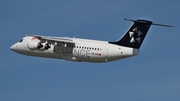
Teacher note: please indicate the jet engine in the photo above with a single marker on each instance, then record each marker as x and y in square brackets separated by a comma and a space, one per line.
[34, 45]
[45, 46]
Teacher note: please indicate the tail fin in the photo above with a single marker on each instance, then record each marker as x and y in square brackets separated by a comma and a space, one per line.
[135, 35]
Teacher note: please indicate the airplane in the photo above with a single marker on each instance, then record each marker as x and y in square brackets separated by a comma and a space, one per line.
[86, 50]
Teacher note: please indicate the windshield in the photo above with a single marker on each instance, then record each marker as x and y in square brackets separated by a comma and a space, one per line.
[21, 40]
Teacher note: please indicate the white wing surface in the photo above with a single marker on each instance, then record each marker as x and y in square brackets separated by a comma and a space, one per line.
[54, 39]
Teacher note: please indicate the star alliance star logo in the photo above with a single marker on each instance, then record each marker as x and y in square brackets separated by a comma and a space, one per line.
[134, 38]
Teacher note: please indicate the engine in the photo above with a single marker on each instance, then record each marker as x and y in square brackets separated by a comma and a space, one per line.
[47, 46]
[34, 45]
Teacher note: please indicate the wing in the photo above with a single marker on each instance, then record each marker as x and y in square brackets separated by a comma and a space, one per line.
[52, 39]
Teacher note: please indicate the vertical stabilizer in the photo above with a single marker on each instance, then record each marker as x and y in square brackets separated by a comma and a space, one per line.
[135, 35]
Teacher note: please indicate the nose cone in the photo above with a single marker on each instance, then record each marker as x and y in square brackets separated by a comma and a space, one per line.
[13, 47]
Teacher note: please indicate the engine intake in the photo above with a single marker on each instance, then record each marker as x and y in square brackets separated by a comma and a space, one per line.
[33, 45]
[39, 45]
[47, 46]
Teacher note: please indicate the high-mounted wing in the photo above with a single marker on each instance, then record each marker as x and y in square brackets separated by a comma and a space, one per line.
[54, 39]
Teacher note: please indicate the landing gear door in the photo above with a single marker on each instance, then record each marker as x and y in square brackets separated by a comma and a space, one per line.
[105, 50]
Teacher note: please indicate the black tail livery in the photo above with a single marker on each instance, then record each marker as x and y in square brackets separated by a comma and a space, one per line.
[135, 35]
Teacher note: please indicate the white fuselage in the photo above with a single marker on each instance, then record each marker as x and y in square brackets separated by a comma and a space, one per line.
[84, 50]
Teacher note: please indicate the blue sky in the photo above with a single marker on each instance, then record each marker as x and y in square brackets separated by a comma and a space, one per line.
[153, 75]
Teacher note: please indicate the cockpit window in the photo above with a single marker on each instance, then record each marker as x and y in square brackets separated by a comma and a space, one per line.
[21, 40]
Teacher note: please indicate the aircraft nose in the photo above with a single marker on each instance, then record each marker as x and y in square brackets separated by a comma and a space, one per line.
[13, 47]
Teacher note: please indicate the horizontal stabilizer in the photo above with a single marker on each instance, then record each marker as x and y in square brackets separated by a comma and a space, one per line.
[146, 21]
[161, 25]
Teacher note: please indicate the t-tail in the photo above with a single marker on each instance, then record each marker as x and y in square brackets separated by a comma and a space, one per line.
[137, 32]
